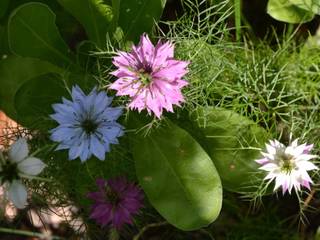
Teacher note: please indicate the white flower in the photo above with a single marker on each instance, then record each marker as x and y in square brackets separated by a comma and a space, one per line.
[288, 165]
[15, 166]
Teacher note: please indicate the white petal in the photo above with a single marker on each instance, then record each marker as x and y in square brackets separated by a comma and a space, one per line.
[306, 157]
[17, 193]
[31, 166]
[18, 150]
[295, 151]
[267, 155]
[269, 167]
[305, 176]
[306, 165]
[280, 180]
[270, 149]
[271, 176]
[262, 161]
[295, 143]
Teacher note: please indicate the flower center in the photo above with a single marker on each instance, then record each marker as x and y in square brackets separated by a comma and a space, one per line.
[89, 126]
[145, 75]
[9, 172]
[286, 162]
[112, 197]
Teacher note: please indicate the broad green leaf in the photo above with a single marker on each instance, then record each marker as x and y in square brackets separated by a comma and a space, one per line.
[4, 4]
[32, 33]
[34, 99]
[139, 16]
[232, 141]
[94, 15]
[308, 5]
[286, 11]
[178, 177]
[14, 71]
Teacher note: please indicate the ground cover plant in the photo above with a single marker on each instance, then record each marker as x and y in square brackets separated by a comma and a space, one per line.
[132, 127]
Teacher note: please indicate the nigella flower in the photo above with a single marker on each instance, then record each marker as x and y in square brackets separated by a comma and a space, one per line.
[87, 124]
[116, 201]
[288, 165]
[150, 76]
[14, 166]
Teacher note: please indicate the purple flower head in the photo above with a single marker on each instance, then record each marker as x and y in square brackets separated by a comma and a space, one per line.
[115, 202]
[150, 76]
[87, 124]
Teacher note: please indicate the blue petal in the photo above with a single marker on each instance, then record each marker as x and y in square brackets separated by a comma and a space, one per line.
[64, 119]
[62, 147]
[77, 93]
[85, 151]
[97, 148]
[110, 132]
[112, 114]
[62, 108]
[62, 133]
[74, 152]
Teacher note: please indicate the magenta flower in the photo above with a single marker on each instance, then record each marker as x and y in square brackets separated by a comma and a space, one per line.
[150, 76]
[115, 202]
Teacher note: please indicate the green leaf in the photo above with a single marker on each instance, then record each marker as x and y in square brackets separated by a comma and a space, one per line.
[14, 71]
[4, 4]
[138, 16]
[34, 98]
[232, 141]
[32, 33]
[287, 11]
[94, 15]
[308, 5]
[178, 177]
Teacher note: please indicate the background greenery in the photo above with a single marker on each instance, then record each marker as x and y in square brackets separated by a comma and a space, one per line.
[265, 82]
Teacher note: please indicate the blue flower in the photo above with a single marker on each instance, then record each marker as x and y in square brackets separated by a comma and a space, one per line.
[87, 124]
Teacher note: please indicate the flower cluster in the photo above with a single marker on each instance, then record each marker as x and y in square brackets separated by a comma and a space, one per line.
[148, 74]
[288, 166]
[88, 125]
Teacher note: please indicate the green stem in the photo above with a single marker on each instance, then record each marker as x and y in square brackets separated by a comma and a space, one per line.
[28, 233]
[237, 13]
[114, 235]
[145, 228]
[34, 177]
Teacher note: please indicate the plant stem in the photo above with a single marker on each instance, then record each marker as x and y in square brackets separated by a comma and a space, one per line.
[237, 13]
[114, 235]
[29, 234]
[145, 228]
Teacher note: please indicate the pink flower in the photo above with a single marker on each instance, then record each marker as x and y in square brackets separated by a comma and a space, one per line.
[115, 202]
[150, 76]
[288, 165]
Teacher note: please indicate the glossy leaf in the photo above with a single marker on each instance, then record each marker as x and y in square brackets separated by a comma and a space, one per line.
[32, 33]
[14, 71]
[34, 98]
[308, 5]
[138, 16]
[94, 15]
[232, 141]
[287, 11]
[178, 177]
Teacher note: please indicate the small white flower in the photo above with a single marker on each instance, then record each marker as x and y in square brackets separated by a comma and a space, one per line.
[288, 165]
[16, 166]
